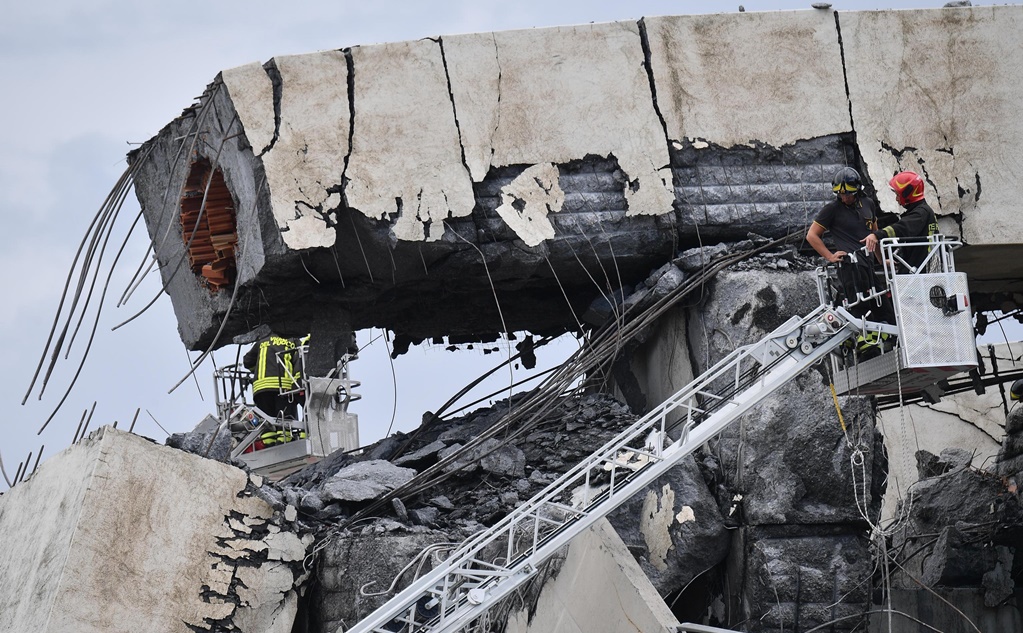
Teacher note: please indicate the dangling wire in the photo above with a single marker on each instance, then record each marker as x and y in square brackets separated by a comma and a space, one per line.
[193, 132]
[113, 195]
[92, 334]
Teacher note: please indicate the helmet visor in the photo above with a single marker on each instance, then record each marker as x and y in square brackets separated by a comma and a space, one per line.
[845, 187]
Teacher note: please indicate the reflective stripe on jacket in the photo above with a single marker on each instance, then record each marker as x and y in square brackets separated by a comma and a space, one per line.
[271, 373]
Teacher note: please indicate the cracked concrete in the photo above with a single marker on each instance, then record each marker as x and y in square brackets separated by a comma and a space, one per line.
[306, 160]
[707, 87]
[405, 146]
[945, 84]
[387, 166]
[558, 95]
[527, 201]
[97, 515]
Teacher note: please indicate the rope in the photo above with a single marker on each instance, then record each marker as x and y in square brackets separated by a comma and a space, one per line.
[838, 410]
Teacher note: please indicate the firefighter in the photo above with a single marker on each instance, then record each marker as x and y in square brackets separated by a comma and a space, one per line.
[273, 363]
[916, 223]
[847, 219]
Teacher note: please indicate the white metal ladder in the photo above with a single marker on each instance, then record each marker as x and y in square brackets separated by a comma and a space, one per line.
[495, 562]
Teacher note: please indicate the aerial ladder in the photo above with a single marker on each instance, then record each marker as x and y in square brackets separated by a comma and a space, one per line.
[492, 564]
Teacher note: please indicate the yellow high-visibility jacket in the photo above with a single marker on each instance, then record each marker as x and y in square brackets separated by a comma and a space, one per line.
[272, 368]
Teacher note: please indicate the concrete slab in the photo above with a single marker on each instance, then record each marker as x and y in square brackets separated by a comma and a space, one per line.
[305, 164]
[600, 587]
[937, 92]
[252, 95]
[732, 79]
[117, 531]
[406, 162]
[556, 95]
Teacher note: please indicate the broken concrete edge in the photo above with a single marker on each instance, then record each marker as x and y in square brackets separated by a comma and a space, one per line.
[110, 546]
[837, 119]
[273, 105]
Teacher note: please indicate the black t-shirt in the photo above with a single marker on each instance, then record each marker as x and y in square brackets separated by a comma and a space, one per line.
[847, 225]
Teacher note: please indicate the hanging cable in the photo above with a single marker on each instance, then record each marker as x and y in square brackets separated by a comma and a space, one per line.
[532, 408]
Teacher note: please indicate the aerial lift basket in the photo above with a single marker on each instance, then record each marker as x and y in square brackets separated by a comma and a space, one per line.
[934, 325]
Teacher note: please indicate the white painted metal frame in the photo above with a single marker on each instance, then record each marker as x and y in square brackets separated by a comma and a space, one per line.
[492, 564]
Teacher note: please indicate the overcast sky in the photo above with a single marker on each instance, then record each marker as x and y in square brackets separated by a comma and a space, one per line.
[85, 82]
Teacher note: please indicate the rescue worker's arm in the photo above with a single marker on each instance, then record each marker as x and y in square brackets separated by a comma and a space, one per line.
[913, 223]
[875, 251]
[251, 357]
[814, 239]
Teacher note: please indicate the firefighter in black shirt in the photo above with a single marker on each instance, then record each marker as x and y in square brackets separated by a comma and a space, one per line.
[847, 220]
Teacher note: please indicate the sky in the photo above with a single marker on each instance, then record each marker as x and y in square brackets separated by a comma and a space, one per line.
[85, 83]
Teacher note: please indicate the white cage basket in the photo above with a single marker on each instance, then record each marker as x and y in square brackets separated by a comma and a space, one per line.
[931, 335]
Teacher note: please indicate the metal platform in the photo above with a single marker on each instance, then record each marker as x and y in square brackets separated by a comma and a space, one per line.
[277, 462]
[882, 375]
[325, 424]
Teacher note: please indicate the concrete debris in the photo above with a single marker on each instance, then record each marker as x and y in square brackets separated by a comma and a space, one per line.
[224, 563]
[364, 480]
[998, 583]
[506, 461]
[977, 518]
[1010, 457]
[672, 551]
[426, 456]
[951, 459]
[783, 476]
[203, 442]
[337, 224]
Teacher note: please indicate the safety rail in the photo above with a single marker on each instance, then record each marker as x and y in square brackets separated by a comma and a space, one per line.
[938, 259]
[494, 563]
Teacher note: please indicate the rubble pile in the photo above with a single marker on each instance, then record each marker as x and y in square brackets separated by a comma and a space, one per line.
[478, 489]
[482, 487]
[769, 523]
[960, 524]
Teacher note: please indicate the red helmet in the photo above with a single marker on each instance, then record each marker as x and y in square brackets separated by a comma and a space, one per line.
[908, 187]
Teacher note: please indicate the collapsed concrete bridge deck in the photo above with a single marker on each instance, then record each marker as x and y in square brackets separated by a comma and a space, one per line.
[452, 186]
[470, 185]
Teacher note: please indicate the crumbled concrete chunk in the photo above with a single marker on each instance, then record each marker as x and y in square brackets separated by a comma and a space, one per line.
[506, 460]
[265, 584]
[442, 502]
[422, 456]
[286, 546]
[239, 526]
[365, 480]
[424, 516]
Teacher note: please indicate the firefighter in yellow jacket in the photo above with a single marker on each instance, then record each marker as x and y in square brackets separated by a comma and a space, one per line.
[274, 364]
